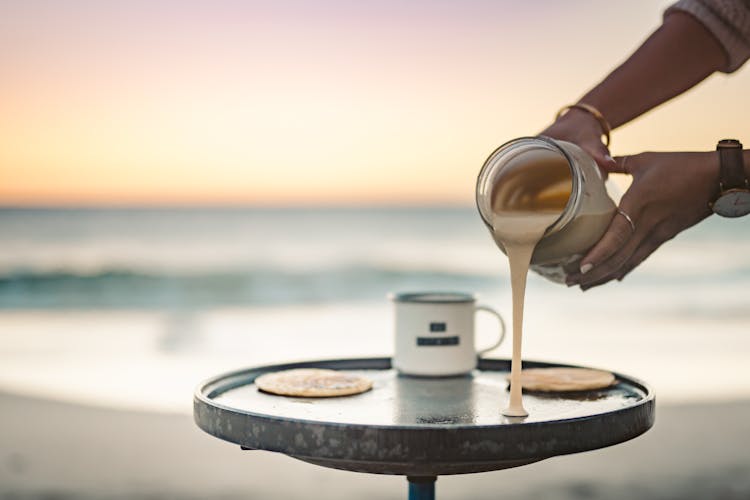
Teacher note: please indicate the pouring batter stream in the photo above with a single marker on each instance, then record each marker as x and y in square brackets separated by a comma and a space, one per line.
[519, 220]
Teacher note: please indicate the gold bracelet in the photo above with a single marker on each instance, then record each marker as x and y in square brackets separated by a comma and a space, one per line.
[606, 129]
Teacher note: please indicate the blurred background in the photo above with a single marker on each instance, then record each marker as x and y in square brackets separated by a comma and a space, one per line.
[193, 187]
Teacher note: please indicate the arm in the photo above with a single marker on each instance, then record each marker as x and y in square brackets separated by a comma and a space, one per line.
[670, 191]
[677, 56]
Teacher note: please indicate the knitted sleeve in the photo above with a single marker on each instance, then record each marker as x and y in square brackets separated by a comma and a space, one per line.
[727, 20]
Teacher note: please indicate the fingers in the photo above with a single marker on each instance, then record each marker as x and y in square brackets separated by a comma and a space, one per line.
[609, 269]
[615, 248]
[601, 156]
[618, 234]
[645, 240]
[654, 240]
[646, 248]
[621, 263]
[623, 164]
[642, 252]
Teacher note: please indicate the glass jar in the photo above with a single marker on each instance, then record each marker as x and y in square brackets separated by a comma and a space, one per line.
[587, 213]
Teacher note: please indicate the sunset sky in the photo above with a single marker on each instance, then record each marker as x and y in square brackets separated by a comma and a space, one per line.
[322, 102]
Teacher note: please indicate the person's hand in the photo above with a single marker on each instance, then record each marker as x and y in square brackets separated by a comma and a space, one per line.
[670, 192]
[581, 128]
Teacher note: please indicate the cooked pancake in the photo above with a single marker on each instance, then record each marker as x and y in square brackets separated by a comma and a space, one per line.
[565, 379]
[312, 383]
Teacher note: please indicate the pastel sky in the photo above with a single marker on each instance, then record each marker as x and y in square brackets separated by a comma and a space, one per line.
[327, 101]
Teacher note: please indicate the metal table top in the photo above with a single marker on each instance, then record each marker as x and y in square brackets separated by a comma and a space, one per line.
[421, 426]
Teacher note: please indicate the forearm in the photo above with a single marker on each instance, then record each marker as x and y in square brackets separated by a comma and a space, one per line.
[677, 56]
[710, 169]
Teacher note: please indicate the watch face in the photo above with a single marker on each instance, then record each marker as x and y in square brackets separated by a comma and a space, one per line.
[733, 203]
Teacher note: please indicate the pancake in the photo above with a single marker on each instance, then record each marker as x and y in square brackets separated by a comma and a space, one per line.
[565, 379]
[312, 383]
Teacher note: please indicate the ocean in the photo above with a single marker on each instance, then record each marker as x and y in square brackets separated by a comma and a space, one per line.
[132, 307]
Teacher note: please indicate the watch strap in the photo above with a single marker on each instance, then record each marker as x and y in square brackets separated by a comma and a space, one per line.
[732, 166]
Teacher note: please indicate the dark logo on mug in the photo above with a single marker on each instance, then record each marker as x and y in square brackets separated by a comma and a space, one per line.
[437, 341]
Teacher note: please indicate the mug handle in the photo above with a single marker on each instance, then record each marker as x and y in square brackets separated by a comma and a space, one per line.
[502, 327]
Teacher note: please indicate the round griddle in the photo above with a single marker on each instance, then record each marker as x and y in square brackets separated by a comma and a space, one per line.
[421, 427]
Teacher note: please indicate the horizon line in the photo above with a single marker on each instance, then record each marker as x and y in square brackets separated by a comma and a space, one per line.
[234, 206]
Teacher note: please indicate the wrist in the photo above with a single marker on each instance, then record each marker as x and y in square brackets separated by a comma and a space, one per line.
[701, 171]
[713, 164]
[716, 167]
[580, 117]
[594, 113]
[582, 122]
[712, 169]
[733, 196]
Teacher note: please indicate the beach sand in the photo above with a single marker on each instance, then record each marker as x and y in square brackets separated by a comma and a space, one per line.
[56, 450]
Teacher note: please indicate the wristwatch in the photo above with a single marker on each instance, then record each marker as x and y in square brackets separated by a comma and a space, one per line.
[734, 188]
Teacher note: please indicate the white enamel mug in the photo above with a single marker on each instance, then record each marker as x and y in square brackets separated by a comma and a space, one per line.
[434, 333]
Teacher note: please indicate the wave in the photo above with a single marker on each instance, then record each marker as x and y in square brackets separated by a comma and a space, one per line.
[201, 258]
[121, 288]
[243, 285]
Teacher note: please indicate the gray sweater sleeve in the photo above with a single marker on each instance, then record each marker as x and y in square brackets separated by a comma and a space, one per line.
[727, 20]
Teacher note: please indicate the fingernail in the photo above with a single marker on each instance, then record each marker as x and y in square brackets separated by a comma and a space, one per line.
[609, 159]
[586, 267]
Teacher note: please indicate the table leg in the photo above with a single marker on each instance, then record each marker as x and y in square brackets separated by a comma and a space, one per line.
[421, 487]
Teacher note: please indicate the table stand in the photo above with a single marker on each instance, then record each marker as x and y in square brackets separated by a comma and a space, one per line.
[421, 487]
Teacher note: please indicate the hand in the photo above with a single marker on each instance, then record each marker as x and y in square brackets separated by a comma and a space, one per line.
[580, 128]
[670, 192]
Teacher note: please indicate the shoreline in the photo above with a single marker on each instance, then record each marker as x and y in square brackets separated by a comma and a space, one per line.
[51, 449]
[154, 360]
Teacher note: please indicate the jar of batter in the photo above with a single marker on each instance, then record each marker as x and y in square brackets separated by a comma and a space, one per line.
[540, 173]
